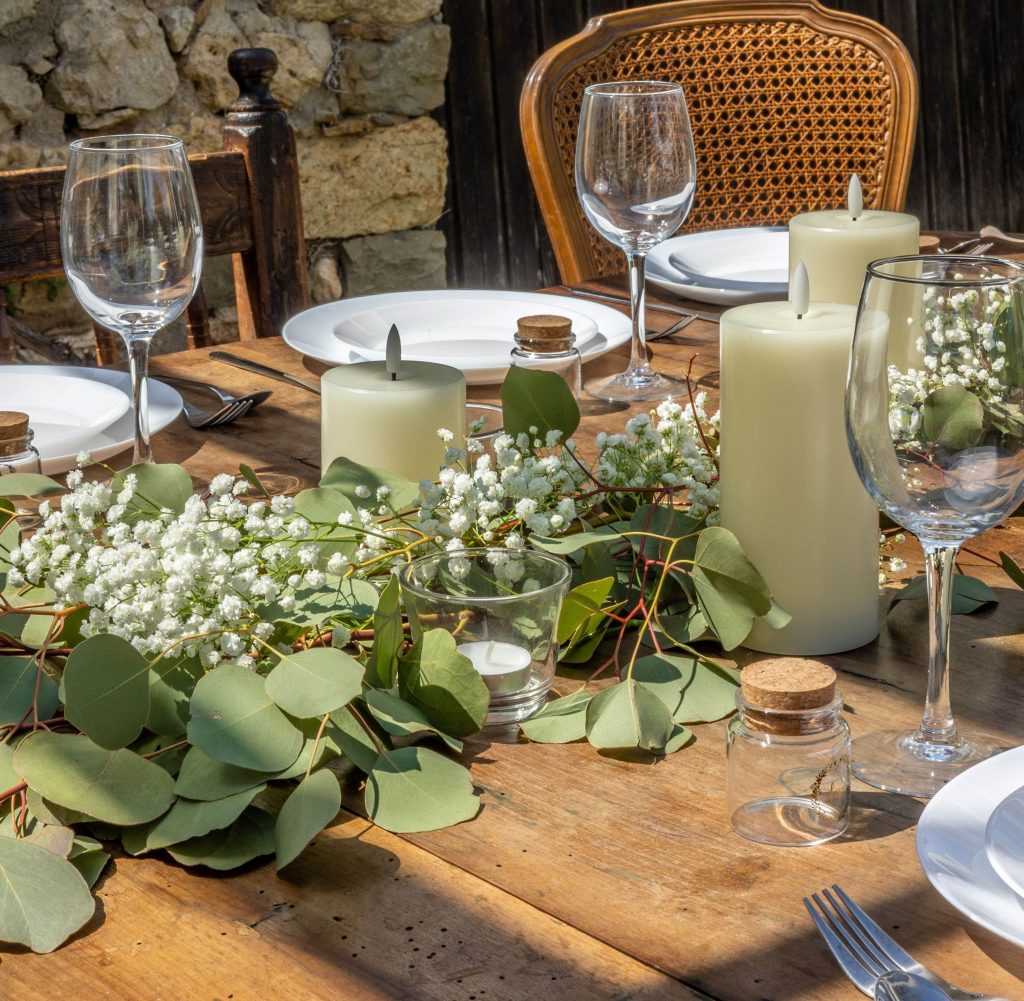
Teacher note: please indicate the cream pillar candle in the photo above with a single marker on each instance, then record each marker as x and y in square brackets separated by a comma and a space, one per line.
[837, 246]
[789, 491]
[387, 414]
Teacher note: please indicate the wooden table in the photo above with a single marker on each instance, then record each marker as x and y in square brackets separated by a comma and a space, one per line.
[584, 877]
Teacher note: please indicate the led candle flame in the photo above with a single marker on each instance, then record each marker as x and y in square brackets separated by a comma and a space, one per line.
[393, 353]
[799, 290]
[855, 198]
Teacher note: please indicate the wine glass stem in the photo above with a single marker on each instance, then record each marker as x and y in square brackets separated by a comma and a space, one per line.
[138, 359]
[638, 361]
[937, 725]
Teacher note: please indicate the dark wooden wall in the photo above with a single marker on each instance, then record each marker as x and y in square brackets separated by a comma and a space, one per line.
[967, 169]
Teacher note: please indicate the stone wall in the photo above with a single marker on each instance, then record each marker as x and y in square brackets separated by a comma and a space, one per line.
[359, 78]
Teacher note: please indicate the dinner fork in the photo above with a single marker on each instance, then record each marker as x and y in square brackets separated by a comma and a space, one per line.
[232, 407]
[865, 951]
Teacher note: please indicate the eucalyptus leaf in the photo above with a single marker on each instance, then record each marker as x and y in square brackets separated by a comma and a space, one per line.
[953, 417]
[18, 679]
[567, 545]
[560, 721]
[401, 719]
[54, 838]
[189, 818]
[1013, 571]
[106, 690]
[43, 897]
[653, 520]
[348, 476]
[967, 594]
[684, 629]
[10, 536]
[325, 749]
[28, 485]
[322, 506]
[388, 637]
[36, 630]
[250, 476]
[693, 690]
[172, 680]
[8, 776]
[444, 684]
[681, 736]
[532, 398]
[628, 715]
[314, 682]
[115, 786]
[234, 720]
[249, 837]
[581, 610]
[307, 811]
[158, 486]
[90, 864]
[580, 652]
[205, 778]
[416, 789]
[345, 732]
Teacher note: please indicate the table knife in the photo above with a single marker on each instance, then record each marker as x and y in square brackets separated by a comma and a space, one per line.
[271, 373]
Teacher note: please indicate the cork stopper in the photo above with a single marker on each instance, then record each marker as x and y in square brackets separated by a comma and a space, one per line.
[544, 332]
[790, 683]
[13, 432]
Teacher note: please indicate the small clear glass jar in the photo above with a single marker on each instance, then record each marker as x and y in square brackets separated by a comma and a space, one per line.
[548, 343]
[16, 448]
[788, 773]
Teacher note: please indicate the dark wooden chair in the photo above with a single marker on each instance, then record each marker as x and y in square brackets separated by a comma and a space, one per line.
[787, 99]
[248, 198]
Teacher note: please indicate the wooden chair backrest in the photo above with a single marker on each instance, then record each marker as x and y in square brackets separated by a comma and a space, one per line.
[248, 199]
[786, 101]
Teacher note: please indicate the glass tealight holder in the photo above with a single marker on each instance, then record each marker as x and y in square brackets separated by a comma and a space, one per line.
[502, 609]
[788, 775]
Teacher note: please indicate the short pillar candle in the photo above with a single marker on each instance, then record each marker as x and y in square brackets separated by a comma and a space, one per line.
[789, 490]
[837, 246]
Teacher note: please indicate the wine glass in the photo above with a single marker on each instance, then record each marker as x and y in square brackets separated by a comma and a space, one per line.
[132, 244]
[935, 422]
[635, 175]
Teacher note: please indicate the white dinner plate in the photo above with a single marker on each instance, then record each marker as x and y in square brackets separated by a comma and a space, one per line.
[724, 266]
[164, 406]
[1004, 840]
[951, 844]
[469, 330]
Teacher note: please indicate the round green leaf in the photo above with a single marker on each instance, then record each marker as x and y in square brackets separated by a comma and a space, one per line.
[416, 789]
[538, 399]
[192, 819]
[347, 476]
[559, 721]
[307, 811]
[116, 786]
[234, 720]
[106, 690]
[171, 684]
[628, 715]
[249, 837]
[43, 897]
[18, 688]
[401, 719]
[314, 682]
[28, 485]
[321, 506]
[158, 486]
[206, 778]
[345, 733]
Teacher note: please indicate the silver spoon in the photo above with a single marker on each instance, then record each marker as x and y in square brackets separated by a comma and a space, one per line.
[998, 234]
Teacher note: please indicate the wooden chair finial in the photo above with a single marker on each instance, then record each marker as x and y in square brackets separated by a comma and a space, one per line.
[252, 70]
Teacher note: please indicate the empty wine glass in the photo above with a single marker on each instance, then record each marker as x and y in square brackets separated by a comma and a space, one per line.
[635, 176]
[132, 244]
[935, 422]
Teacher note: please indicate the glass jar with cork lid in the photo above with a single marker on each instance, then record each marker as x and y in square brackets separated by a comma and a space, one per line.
[547, 343]
[16, 442]
[788, 750]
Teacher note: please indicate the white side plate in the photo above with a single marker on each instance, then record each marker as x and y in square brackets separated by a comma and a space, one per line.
[1004, 840]
[951, 844]
[469, 330]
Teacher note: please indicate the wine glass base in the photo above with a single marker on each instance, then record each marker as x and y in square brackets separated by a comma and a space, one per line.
[898, 761]
[627, 388]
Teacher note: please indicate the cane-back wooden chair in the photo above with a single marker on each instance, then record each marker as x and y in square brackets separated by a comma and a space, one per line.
[786, 100]
[249, 203]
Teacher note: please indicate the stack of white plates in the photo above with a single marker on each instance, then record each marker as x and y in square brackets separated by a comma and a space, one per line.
[970, 841]
[726, 266]
[74, 409]
[469, 330]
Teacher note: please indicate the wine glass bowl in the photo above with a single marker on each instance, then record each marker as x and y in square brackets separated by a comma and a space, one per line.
[935, 422]
[132, 243]
[635, 177]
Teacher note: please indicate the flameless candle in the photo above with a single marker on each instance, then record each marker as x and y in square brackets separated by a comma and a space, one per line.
[789, 491]
[504, 667]
[387, 414]
[837, 246]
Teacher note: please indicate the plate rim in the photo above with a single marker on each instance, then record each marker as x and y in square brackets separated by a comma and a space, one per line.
[1015, 884]
[997, 762]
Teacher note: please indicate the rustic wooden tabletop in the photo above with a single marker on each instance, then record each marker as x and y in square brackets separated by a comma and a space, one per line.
[584, 877]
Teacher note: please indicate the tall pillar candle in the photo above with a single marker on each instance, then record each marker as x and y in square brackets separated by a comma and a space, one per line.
[838, 245]
[789, 491]
[387, 413]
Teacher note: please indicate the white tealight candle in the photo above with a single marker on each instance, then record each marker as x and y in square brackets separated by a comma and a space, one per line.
[837, 246]
[789, 490]
[505, 667]
[387, 414]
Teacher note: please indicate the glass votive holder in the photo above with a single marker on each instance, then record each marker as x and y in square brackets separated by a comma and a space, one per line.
[502, 608]
[788, 769]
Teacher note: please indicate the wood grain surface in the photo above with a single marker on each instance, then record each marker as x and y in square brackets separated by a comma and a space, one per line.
[584, 876]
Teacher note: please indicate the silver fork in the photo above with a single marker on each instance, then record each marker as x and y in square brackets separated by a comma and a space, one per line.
[232, 407]
[865, 951]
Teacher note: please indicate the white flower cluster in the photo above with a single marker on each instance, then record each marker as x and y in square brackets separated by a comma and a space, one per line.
[191, 582]
[959, 346]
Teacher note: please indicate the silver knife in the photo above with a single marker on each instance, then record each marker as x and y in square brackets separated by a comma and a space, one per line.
[271, 373]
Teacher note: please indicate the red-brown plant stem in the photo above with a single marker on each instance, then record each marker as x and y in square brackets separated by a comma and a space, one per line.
[13, 791]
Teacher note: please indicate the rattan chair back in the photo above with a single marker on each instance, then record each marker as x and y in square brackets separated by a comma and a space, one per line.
[786, 101]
